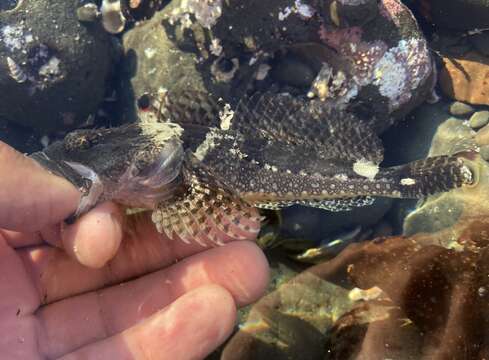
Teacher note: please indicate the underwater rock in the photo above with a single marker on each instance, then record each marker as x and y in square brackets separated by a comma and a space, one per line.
[293, 321]
[461, 109]
[21, 139]
[484, 151]
[479, 119]
[456, 14]
[480, 42]
[465, 79]
[372, 59]
[440, 293]
[391, 298]
[54, 68]
[482, 137]
[152, 65]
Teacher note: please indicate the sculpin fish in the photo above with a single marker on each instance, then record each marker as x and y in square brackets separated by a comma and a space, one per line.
[204, 169]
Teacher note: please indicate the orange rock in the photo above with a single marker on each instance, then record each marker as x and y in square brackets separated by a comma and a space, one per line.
[466, 79]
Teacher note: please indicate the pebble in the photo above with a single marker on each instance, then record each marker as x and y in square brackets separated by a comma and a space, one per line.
[484, 151]
[479, 119]
[482, 136]
[461, 109]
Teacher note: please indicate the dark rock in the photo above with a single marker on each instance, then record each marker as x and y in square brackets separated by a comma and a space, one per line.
[292, 71]
[458, 14]
[8, 4]
[479, 119]
[54, 69]
[22, 139]
[481, 42]
[461, 109]
[482, 137]
[384, 85]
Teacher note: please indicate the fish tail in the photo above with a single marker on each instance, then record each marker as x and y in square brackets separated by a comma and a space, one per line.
[427, 176]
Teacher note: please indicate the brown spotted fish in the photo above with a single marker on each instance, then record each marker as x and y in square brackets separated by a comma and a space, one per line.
[204, 169]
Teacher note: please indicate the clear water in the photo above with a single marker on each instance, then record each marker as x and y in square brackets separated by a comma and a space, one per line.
[402, 277]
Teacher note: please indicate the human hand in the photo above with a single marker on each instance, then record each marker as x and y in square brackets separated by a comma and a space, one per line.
[60, 285]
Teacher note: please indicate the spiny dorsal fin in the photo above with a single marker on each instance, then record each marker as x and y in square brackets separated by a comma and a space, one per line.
[281, 118]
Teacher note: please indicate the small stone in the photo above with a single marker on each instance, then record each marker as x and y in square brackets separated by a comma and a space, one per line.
[484, 151]
[87, 13]
[461, 109]
[479, 119]
[482, 136]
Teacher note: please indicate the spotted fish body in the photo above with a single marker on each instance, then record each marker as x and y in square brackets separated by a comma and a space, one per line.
[204, 169]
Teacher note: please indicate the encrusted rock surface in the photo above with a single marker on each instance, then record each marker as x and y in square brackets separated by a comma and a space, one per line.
[365, 57]
[54, 69]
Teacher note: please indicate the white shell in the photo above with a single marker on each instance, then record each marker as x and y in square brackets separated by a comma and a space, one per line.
[15, 71]
[112, 19]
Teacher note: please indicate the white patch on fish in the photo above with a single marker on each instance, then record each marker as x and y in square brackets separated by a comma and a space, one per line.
[366, 168]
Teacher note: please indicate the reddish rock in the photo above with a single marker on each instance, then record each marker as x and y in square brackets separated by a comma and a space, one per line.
[466, 79]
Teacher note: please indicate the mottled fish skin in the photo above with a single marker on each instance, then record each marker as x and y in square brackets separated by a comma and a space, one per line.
[205, 167]
[277, 150]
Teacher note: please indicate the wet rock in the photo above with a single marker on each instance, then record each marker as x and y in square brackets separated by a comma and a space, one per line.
[352, 13]
[484, 151]
[380, 66]
[391, 298]
[22, 139]
[465, 79]
[293, 321]
[461, 109]
[480, 42]
[8, 5]
[479, 119]
[293, 71]
[457, 14]
[436, 289]
[482, 137]
[153, 62]
[53, 68]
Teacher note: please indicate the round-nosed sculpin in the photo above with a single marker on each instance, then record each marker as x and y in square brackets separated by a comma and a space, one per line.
[204, 169]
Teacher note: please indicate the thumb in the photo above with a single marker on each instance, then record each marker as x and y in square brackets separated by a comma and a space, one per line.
[31, 197]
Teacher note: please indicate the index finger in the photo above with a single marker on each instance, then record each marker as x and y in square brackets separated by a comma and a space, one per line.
[31, 197]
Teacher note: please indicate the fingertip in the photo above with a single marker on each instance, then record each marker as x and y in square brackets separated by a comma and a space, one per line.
[251, 273]
[95, 237]
[30, 196]
[212, 320]
[191, 327]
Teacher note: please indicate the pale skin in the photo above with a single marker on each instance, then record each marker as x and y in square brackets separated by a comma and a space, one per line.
[107, 287]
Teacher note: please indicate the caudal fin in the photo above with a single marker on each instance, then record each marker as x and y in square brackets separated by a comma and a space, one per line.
[427, 176]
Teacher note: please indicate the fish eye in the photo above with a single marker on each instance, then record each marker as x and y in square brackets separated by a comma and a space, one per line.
[144, 101]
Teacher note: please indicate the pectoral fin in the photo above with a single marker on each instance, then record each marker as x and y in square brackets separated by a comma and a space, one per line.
[207, 212]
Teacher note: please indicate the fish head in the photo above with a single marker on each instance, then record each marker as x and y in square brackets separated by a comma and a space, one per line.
[136, 164]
